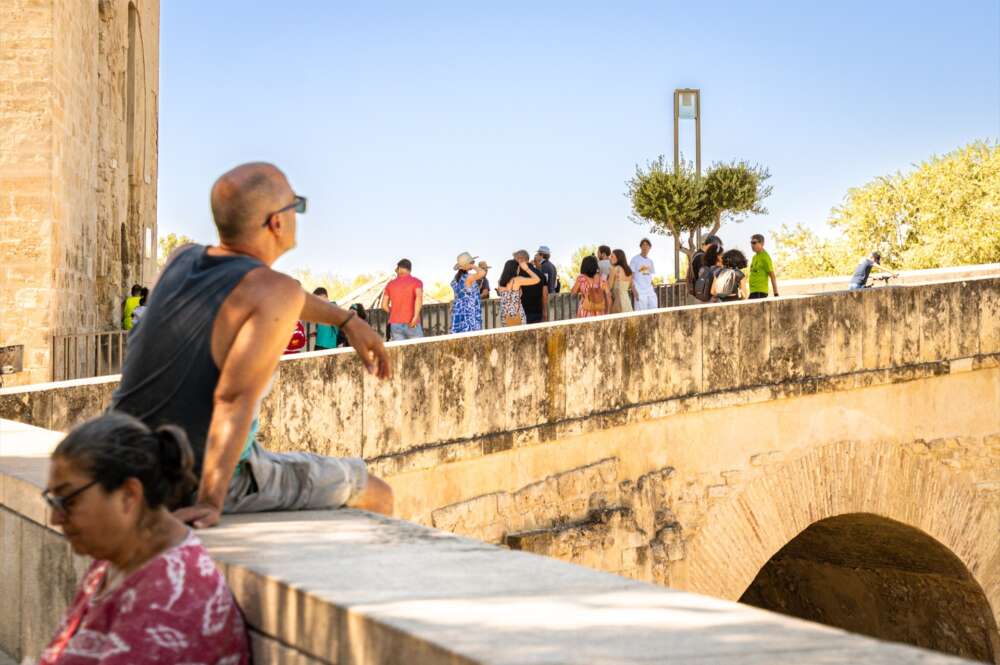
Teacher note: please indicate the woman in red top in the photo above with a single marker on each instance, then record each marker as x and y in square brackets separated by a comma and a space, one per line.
[153, 594]
[592, 288]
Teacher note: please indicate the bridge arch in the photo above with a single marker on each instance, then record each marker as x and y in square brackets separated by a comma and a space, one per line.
[844, 516]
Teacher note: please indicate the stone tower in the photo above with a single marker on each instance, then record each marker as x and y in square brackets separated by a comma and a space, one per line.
[78, 153]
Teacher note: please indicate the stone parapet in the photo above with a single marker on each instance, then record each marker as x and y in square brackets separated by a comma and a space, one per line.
[348, 587]
[464, 396]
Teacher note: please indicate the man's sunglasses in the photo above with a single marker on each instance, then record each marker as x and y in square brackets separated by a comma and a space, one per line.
[62, 504]
[299, 203]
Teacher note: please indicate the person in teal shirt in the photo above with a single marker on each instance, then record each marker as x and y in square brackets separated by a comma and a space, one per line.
[326, 336]
[761, 269]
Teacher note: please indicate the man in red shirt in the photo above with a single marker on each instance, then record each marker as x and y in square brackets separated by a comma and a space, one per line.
[403, 299]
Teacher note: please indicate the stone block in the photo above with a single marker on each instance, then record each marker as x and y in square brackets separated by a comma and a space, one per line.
[10, 583]
[269, 651]
[784, 339]
[965, 307]
[721, 360]
[989, 315]
[878, 328]
[319, 407]
[47, 586]
[817, 323]
[595, 359]
[935, 322]
[662, 355]
[526, 362]
[443, 390]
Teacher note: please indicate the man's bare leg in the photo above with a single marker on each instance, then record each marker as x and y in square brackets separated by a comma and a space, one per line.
[376, 497]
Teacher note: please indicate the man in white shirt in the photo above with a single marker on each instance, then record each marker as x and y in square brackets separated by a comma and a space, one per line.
[642, 277]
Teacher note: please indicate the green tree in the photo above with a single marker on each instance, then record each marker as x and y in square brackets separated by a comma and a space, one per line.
[945, 212]
[167, 244]
[676, 202]
[569, 272]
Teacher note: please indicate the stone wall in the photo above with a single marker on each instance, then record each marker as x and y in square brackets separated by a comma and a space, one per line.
[67, 193]
[689, 465]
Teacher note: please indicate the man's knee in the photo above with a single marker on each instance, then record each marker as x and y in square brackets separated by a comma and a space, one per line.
[376, 497]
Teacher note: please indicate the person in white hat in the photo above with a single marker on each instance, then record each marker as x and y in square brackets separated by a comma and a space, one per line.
[467, 308]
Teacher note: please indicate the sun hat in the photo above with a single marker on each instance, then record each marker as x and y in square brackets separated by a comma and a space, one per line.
[464, 259]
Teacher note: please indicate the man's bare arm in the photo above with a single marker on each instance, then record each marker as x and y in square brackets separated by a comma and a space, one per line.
[418, 304]
[246, 371]
[774, 282]
[362, 336]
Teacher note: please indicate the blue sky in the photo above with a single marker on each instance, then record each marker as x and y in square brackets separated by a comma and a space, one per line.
[425, 129]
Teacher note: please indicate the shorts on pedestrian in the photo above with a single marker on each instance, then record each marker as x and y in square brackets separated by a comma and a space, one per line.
[646, 301]
[400, 331]
[757, 294]
[268, 481]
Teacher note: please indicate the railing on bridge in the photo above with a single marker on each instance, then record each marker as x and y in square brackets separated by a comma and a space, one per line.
[86, 355]
[436, 318]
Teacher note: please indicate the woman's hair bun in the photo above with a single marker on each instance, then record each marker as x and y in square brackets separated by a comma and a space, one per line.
[176, 464]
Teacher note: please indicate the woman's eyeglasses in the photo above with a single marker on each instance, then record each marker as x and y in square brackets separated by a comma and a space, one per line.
[62, 504]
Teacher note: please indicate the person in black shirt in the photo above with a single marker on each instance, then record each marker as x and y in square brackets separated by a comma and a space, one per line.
[543, 255]
[698, 260]
[535, 297]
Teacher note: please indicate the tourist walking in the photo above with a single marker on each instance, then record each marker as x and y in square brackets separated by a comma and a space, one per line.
[761, 269]
[211, 340]
[325, 336]
[403, 299]
[642, 277]
[516, 275]
[535, 297]
[697, 260]
[152, 594]
[549, 268]
[730, 282]
[620, 283]
[604, 261]
[860, 277]
[592, 289]
[467, 307]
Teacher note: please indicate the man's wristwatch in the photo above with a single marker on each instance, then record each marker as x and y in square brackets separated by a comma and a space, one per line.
[350, 315]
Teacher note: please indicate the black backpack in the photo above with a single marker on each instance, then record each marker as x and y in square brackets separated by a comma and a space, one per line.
[693, 265]
[703, 285]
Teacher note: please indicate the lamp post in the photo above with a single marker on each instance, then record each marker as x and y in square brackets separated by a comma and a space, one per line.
[687, 106]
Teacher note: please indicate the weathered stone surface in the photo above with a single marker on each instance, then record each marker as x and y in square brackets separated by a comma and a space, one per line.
[48, 583]
[10, 583]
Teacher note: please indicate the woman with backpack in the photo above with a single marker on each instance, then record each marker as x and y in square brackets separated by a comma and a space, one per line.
[592, 288]
[711, 264]
[516, 274]
[730, 281]
[620, 283]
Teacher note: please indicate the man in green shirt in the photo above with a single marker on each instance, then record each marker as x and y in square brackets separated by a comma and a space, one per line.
[761, 269]
[129, 306]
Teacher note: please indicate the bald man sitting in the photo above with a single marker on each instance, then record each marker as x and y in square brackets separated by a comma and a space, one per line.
[215, 326]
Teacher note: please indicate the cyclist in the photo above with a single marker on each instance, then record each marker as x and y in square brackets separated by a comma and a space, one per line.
[869, 263]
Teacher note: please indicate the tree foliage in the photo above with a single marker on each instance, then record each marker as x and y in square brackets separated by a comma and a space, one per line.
[167, 244]
[676, 202]
[568, 272]
[945, 212]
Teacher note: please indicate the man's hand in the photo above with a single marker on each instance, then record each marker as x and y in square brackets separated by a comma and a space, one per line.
[414, 322]
[200, 515]
[369, 347]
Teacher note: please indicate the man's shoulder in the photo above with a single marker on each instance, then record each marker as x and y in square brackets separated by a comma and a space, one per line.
[268, 286]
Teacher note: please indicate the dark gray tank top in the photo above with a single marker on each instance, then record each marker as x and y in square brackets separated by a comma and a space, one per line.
[169, 375]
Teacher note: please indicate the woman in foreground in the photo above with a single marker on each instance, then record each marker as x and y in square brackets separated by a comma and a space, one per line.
[153, 594]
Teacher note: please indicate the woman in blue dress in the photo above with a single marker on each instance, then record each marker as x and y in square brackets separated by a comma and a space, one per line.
[467, 308]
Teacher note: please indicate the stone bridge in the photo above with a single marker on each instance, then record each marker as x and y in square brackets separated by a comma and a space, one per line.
[833, 457]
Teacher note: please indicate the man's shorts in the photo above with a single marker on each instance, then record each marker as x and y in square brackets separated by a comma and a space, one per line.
[269, 481]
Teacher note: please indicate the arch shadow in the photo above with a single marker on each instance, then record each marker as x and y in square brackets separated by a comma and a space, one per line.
[902, 514]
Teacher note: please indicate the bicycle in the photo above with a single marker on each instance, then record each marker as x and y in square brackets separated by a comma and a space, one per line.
[881, 278]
